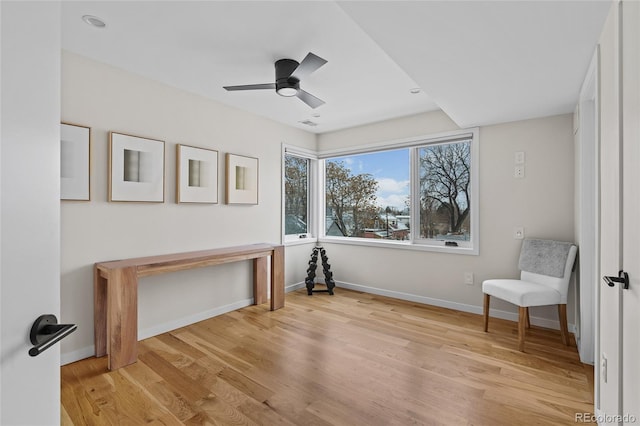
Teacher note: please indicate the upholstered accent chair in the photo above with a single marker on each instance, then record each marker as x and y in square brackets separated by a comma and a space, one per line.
[545, 271]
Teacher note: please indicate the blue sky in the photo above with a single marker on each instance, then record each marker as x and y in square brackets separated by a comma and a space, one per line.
[389, 168]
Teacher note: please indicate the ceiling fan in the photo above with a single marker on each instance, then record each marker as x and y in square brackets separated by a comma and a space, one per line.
[288, 76]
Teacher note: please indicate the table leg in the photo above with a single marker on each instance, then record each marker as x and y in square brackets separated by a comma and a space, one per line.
[122, 317]
[259, 280]
[277, 278]
[99, 313]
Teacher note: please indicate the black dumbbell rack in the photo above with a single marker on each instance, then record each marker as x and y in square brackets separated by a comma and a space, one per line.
[310, 281]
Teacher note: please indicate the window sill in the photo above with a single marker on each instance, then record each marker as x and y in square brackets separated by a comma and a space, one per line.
[300, 241]
[402, 245]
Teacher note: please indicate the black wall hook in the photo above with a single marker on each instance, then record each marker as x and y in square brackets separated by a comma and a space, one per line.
[46, 331]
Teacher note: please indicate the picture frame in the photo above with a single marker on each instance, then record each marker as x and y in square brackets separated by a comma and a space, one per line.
[75, 162]
[196, 175]
[241, 179]
[136, 168]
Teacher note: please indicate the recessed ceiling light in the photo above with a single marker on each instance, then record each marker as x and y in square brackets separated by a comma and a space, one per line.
[316, 115]
[94, 21]
[415, 90]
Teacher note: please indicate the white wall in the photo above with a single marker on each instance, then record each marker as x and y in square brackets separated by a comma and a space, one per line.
[542, 202]
[30, 208]
[106, 98]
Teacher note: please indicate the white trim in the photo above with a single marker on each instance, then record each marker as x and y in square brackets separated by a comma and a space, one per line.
[312, 195]
[192, 319]
[403, 245]
[471, 247]
[588, 130]
[300, 241]
[69, 357]
[89, 351]
[400, 143]
[300, 152]
[473, 309]
[294, 287]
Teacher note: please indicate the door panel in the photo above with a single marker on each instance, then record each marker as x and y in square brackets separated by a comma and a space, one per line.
[29, 208]
[608, 373]
[631, 210]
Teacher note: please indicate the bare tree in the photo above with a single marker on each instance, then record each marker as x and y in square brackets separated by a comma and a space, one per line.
[296, 193]
[352, 198]
[445, 178]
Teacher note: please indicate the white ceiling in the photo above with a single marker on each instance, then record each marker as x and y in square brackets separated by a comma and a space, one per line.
[481, 62]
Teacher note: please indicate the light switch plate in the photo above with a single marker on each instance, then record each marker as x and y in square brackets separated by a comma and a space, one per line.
[519, 157]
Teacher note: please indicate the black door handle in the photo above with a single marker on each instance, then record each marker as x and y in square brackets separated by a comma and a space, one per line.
[622, 278]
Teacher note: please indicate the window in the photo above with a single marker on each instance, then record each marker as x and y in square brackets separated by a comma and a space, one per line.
[421, 193]
[444, 199]
[367, 195]
[298, 194]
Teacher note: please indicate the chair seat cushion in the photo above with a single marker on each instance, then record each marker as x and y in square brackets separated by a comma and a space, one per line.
[521, 293]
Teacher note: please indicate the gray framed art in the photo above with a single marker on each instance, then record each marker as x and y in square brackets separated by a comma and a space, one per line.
[242, 179]
[136, 168]
[196, 175]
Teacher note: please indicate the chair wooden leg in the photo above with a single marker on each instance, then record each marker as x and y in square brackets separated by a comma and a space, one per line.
[528, 319]
[485, 312]
[564, 331]
[522, 319]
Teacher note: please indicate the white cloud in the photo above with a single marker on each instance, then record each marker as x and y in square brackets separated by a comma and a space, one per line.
[389, 185]
[396, 201]
[392, 192]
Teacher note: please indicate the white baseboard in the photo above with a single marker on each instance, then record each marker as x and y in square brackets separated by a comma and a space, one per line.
[192, 319]
[69, 357]
[86, 352]
[511, 316]
[89, 351]
[294, 287]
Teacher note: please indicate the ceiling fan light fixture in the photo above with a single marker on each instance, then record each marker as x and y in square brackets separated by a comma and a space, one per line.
[287, 91]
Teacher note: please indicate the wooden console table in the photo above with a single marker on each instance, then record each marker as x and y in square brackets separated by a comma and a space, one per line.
[115, 288]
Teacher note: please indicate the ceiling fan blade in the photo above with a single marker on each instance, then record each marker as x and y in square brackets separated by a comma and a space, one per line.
[271, 86]
[309, 99]
[309, 64]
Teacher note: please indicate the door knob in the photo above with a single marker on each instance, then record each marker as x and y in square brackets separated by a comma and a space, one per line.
[622, 278]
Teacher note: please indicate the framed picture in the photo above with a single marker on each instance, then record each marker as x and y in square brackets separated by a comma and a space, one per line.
[136, 169]
[242, 179]
[75, 162]
[196, 175]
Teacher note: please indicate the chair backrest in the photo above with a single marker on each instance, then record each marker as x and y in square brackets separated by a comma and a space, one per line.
[561, 285]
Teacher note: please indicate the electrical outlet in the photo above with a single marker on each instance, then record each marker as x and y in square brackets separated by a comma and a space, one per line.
[519, 157]
[468, 278]
[518, 172]
[518, 233]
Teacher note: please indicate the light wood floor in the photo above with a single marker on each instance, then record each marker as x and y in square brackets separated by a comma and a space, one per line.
[347, 359]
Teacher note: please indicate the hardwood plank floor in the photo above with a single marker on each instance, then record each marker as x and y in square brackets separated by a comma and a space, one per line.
[348, 359]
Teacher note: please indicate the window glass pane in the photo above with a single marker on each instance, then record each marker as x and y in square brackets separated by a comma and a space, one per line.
[367, 195]
[296, 188]
[445, 184]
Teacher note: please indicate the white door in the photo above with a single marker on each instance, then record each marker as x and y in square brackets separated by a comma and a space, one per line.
[619, 375]
[29, 208]
[631, 211]
[608, 361]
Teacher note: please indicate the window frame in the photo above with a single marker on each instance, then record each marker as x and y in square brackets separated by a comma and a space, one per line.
[471, 247]
[312, 196]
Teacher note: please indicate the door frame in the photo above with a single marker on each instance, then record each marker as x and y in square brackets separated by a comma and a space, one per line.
[588, 204]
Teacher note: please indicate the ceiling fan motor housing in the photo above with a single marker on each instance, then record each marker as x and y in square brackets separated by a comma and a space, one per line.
[286, 85]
